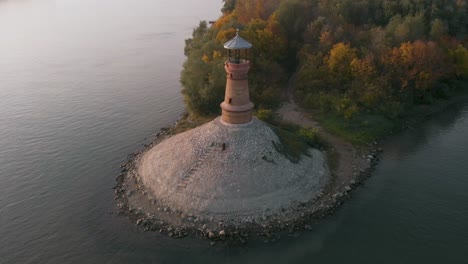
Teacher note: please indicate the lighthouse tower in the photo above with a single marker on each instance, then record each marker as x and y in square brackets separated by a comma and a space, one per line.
[226, 170]
[237, 107]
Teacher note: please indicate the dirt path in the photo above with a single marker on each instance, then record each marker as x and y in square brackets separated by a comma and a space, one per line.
[350, 161]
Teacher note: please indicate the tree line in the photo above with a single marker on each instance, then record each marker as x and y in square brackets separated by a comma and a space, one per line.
[351, 58]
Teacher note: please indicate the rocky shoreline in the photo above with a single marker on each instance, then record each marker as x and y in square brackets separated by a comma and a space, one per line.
[134, 202]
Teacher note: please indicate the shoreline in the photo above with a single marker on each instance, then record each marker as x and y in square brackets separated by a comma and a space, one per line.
[134, 202]
[354, 167]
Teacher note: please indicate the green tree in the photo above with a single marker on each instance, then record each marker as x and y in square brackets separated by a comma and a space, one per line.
[438, 29]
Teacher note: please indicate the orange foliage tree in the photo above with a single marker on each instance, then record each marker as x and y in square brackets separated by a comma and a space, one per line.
[418, 66]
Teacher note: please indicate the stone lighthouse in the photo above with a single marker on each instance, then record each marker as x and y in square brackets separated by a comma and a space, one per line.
[237, 107]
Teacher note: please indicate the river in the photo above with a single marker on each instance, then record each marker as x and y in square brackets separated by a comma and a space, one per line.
[85, 82]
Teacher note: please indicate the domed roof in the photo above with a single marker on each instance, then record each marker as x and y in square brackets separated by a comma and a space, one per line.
[237, 43]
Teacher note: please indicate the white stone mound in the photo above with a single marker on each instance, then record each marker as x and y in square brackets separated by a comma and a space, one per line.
[230, 171]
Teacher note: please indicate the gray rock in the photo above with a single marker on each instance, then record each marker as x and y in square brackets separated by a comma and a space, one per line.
[222, 235]
[308, 227]
[211, 235]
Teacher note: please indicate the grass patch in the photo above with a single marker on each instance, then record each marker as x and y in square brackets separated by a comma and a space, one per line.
[363, 128]
[295, 141]
[360, 129]
[290, 145]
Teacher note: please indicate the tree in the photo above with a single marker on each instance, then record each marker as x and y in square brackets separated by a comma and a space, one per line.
[418, 65]
[438, 29]
[350, 56]
[340, 58]
[228, 6]
[460, 57]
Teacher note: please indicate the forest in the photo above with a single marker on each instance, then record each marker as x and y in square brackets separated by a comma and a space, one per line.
[358, 65]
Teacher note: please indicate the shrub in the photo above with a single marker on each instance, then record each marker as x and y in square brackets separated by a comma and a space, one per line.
[266, 115]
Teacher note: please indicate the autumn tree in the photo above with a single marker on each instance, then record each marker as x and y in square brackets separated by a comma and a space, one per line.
[351, 58]
[418, 65]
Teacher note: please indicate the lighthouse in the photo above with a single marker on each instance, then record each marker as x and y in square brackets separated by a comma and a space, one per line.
[226, 170]
[237, 107]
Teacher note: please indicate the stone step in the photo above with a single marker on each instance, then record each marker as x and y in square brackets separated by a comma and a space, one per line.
[187, 177]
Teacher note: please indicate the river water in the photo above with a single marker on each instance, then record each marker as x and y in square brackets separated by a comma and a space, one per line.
[85, 82]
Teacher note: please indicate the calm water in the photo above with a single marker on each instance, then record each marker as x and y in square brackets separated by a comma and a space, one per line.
[83, 83]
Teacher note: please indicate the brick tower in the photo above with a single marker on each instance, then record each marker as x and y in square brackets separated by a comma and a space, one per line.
[237, 107]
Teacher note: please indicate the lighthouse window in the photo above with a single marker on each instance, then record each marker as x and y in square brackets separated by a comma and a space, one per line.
[230, 100]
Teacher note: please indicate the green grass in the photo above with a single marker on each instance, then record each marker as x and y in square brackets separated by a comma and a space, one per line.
[295, 141]
[290, 145]
[361, 129]
[364, 128]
